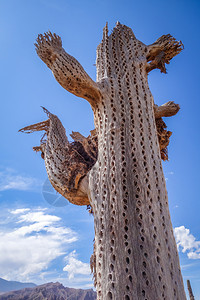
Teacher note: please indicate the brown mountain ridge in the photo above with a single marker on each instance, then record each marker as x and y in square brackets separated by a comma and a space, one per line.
[50, 291]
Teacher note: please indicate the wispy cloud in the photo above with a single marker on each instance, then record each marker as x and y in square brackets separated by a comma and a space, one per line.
[186, 242]
[75, 266]
[11, 180]
[170, 174]
[187, 266]
[19, 211]
[37, 239]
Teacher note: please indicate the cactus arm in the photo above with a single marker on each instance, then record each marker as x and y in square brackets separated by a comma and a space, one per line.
[166, 110]
[66, 69]
[161, 52]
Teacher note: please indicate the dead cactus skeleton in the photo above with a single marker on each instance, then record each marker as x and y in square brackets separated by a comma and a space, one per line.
[135, 254]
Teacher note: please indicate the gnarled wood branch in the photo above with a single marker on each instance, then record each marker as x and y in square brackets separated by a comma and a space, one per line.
[161, 52]
[66, 69]
[67, 164]
[166, 110]
[163, 138]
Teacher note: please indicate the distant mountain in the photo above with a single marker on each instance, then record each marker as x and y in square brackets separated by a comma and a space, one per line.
[6, 286]
[50, 291]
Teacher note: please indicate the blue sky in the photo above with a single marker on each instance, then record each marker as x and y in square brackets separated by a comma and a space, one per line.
[26, 84]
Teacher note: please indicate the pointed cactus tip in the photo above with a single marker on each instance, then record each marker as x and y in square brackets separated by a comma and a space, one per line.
[118, 23]
[45, 110]
[105, 31]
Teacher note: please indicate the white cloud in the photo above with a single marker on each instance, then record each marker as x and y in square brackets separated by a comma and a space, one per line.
[194, 255]
[38, 217]
[19, 211]
[37, 239]
[10, 180]
[75, 266]
[186, 242]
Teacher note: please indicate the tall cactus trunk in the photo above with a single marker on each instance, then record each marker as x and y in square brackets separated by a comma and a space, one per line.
[135, 250]
[135, 254]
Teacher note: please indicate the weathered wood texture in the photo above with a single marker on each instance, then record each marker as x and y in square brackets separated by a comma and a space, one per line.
[67, 164]
[135, 254]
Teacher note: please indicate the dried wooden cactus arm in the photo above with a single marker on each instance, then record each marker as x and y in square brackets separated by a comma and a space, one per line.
[66, 69]
[67, 164]
[166, 110]
[161, 52]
